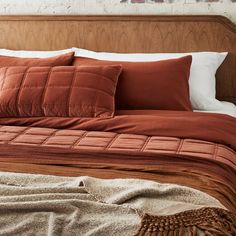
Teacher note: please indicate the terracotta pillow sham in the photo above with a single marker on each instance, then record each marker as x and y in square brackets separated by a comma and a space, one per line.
[85, 91]
[61, 60]
[161, 85]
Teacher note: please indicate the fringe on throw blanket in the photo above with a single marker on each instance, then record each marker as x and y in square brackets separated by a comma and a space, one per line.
[205, 221]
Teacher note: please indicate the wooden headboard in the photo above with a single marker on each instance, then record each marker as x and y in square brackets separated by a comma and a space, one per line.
[128, 34]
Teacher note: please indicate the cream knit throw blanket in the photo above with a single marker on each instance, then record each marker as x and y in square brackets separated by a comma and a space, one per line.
[54, 206]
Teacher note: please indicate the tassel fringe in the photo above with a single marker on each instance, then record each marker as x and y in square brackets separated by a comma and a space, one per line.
[205, 221]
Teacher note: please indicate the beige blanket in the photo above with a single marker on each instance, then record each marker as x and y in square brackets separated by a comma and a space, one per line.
[53, 206]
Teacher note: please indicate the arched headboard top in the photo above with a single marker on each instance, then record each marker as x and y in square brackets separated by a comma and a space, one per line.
[128, 34]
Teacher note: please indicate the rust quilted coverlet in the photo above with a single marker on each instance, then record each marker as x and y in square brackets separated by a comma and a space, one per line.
[207, 166]
[86, 91]
[97, 141]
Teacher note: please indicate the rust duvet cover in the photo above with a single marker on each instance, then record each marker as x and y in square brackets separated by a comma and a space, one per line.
[196, 150]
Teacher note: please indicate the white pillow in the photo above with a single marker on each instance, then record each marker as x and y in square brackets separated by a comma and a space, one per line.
[202, 80]
[220, 107]
[33, 54]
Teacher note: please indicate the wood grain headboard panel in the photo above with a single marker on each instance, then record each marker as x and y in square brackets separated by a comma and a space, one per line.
[128, 34]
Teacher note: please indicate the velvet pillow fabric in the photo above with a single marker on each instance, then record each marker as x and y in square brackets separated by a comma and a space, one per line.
[202, 79]
[159, 85]
[85, 91]
[61, 60]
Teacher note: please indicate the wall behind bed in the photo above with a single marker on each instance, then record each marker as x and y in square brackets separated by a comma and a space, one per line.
[85, 7]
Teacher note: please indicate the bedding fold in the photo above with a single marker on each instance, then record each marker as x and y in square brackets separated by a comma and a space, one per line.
[211, 127]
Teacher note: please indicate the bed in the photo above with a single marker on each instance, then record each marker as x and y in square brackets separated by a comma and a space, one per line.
[192, 149]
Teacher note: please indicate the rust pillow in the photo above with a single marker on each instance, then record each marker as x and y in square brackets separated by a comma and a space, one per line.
[161, 85]
[61, 60]
[84, 91]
